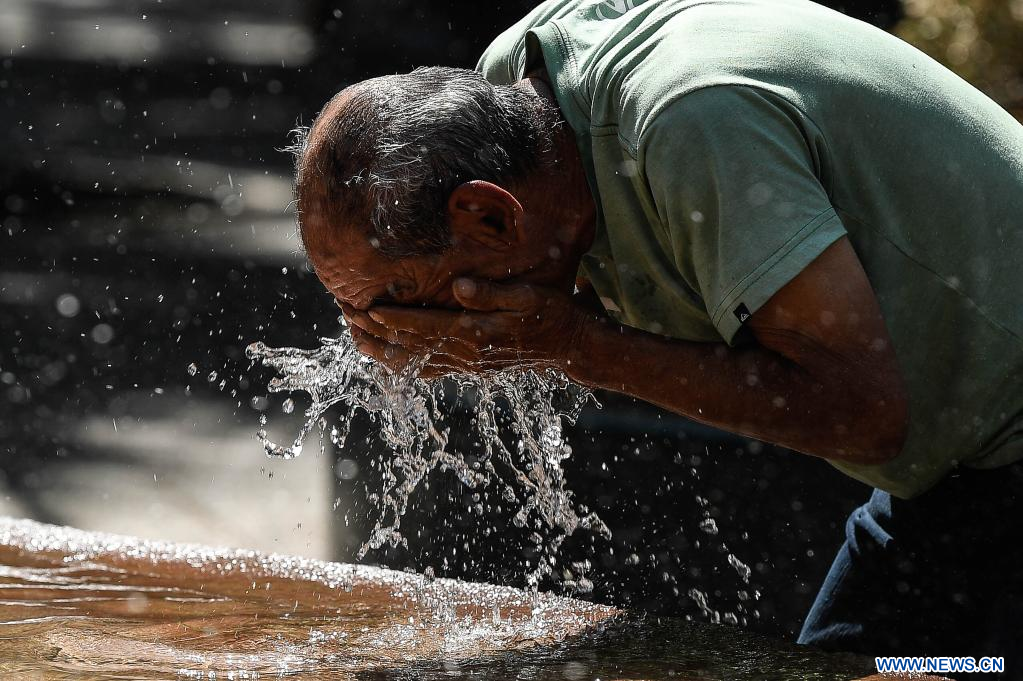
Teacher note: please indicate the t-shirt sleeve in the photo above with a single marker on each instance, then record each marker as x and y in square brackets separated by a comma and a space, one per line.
[500, 62]
[735, 176]
[508, 58]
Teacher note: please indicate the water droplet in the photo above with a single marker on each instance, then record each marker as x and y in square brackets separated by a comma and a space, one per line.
[740, 567]
[709, 526]
[102, 333]
[68, 305]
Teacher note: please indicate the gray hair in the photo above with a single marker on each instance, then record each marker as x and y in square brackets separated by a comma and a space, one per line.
[394, 148]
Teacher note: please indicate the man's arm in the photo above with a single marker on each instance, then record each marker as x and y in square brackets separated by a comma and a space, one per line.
[822, 378]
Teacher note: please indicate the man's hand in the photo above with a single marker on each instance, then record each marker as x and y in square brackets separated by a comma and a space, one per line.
[502, 326]
[822, 379]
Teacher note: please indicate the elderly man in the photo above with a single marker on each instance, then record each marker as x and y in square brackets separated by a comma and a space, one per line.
[758, 214]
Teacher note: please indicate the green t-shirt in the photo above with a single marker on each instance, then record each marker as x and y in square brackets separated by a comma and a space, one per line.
[729, 142]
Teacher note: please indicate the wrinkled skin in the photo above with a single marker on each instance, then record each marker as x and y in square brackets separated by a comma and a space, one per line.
[501, 326]
[453, 310]
[515, 254]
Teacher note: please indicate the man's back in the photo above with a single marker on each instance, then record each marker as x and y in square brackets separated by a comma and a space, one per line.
[731, 141]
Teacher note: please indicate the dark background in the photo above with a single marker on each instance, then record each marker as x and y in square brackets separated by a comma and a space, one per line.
[145, 228]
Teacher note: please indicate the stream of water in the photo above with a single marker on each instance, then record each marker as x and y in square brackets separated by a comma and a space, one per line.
[517, 420]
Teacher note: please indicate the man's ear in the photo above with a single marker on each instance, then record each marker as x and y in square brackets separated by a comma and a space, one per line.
[486, 214]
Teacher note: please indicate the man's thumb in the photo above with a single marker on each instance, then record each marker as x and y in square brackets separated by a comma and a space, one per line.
[472, 294]
[488, 296]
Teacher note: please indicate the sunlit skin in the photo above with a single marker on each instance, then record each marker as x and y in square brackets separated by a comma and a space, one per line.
[822, 377]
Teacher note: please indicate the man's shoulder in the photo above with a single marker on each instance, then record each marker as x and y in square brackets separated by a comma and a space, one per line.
[504, 61]
[622, 61]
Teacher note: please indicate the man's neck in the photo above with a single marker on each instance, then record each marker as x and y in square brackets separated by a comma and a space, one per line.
[568, 180]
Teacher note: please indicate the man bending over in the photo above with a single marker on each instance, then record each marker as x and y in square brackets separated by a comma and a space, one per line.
[758, 214]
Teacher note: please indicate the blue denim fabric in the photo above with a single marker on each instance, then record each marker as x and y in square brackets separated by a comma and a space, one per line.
[940, 574]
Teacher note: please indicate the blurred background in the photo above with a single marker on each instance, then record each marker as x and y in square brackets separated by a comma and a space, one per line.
[147, 239]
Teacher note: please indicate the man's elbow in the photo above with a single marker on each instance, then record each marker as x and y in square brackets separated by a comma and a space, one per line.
[892, 432]
[883, 426]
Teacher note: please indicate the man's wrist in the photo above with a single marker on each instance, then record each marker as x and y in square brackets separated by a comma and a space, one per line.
[588, 349]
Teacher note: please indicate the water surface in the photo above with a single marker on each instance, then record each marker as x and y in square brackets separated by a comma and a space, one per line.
[79, 605]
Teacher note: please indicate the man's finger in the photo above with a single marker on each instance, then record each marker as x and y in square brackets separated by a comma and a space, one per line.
[364, 322]
[396, 358]
[425, 322]
[489, 296]
[440, 365]
[391, 356]
[361, 321]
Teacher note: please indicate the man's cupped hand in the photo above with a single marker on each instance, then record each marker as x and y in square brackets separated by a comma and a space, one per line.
[502, 326]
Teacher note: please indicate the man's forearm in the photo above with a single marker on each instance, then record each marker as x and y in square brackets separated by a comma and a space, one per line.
[752, 391]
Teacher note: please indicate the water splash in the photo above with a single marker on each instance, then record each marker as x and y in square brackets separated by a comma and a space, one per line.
[517, 419]
[741, 568]
[709, 525]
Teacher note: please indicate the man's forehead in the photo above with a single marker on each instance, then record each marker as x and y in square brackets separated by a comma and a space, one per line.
[332, 237]
[348, 262]
[348, 283]
[343, 253]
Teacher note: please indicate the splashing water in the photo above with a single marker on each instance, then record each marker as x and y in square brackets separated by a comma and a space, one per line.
[517, 418]
[741, 568]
